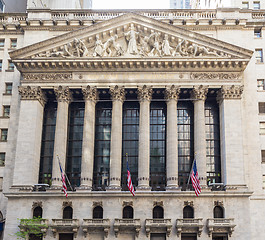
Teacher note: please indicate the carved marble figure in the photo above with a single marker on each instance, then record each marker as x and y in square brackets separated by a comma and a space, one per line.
[154, 43]
[131, 37]
[98, 51]
[166, 49]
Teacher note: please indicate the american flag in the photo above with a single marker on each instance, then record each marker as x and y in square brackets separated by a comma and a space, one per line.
[129, 181]
[63, 180]
[195, 179]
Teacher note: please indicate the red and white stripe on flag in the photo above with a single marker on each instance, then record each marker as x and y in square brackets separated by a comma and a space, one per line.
[195, 179]
[64, 185]
[129, 183]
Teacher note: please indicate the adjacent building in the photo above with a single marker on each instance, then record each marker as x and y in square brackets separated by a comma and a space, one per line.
[148, 90]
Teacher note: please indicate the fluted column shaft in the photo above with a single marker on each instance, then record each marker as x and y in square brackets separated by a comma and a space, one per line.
[199, 96]
[118, 96]
[87, 166]
[144, 96]
[171, 95]
[64, 97]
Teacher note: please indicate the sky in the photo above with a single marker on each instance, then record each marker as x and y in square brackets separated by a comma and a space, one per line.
[130, 4]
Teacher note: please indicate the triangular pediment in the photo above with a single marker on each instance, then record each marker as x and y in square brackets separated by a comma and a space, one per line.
[131, 37]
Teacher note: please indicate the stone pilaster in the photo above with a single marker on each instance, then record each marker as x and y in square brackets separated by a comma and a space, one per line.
[118, 97]
[90, 97]
[29, 134]
[229, 98]
[144, 96]
[199, 94]
[64, 97]
[171, 96]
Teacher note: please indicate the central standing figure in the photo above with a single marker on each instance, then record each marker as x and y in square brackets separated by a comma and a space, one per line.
[131, 37]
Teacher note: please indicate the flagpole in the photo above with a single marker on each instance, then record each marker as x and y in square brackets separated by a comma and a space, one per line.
[191, 169]
[65, 174]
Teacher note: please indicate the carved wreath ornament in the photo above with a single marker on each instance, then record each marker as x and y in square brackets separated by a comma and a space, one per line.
[132, 43]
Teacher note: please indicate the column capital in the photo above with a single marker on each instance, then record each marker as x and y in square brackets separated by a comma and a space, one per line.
[63, 94]
[90, 93]
[199, 92]
[144, 93]
[32, 93]
[230, 92]
[117, 93]
[172, 93]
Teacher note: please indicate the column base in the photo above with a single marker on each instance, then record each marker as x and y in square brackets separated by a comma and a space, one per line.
[143, 188]
[84, 187]
[173, 188]
[113, 188]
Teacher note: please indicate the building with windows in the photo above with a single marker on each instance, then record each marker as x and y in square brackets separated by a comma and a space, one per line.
[94, 90]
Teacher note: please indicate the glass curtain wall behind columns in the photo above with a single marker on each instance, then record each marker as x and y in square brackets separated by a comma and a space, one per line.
[47, 143]
[102, 145]
[74, 145]
[130, 138]
[185, 140]
[158, 145]
[213, 159]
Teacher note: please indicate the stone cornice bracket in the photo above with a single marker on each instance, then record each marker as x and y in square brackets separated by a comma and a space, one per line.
[230, 92]
[90, 93]
[32, 93]
[67, 204]
[144, 93]
[199, 92]
[172, 92]
[117, 93]
[63, 94]
[36, 204]
[97, 204]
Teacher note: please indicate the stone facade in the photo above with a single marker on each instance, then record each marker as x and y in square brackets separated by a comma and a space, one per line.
[149, 61]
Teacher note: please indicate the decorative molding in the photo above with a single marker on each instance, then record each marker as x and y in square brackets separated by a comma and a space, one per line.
[127, 203]
[67, 204]
[230, 92]
[96, 204]
[188, 203]
[219, 203]
[172, 92]
[47, 76]
[211, 76]
[90, 93]
[36, 204]
[63, 94]
[160, 203]
[199, 92]
[32, 93]
[144, 93]
[117, 93]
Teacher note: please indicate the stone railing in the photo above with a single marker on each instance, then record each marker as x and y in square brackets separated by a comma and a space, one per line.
[224, 225]
[158, 224]
[65, 226]
[12, 18]
[127, 225]
[188, 224]
[258, 15]
[91, 225]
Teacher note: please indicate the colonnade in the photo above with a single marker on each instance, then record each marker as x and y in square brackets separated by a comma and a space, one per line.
[231, 145]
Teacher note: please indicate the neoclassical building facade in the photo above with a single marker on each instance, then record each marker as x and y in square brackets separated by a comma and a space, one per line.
[133, 88]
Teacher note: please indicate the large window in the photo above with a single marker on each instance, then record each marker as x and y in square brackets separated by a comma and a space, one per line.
[75, 138]
[158, 145]
[185, 140]
[130, 137]
[47, 144]
[213, 159]
[158, 212]
[102, 145]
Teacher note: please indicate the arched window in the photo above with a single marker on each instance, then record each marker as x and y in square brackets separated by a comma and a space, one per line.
[98, 212]
[188, 212]
[127, 212]
[68, 213]
[37, 212]
[158, 212]
[218, 212]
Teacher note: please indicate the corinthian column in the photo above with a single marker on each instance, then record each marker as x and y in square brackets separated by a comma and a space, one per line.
[171, 96]
[28, 147]
[229, 98]
[64, 97]
[199, 95]
[90, 97]
[144, 96]
[118, 96]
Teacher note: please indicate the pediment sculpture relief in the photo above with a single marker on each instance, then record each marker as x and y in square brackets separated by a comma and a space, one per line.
[132, 44]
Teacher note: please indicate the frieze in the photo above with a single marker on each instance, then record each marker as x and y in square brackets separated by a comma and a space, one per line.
[90, 93]
[210, 76]
[47, 76]
[172, 92]
[32, 93]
